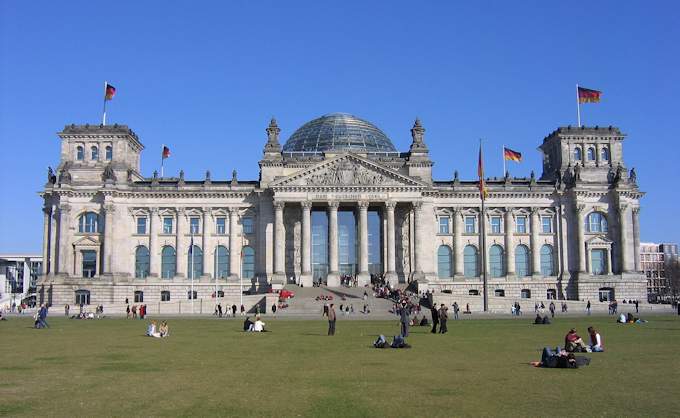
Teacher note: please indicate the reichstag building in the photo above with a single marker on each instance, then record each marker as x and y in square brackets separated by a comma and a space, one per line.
[338, 199]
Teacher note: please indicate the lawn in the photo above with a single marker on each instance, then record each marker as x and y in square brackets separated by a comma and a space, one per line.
[208, 367]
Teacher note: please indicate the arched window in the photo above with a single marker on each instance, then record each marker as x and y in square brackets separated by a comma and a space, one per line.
[444, 261]
[605, 154]
[168, 262]
[95, 153]
[82, 297]
[522, 261]
[496, 261]
[80, 153]
[591, 154]
[109, 153]
[141, 262]
[221, 262]
[577, 154]
[88, 223]
[547, 261]
[470, 262]
[248, 268]
[197, 264]
[525, 294]
[596, 222]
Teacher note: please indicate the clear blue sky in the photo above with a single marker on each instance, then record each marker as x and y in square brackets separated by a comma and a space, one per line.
[205, 77]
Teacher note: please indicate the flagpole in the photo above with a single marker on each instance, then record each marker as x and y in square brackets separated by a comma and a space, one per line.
[505, 170]
[162, 158]
[578, 108]
[483, 236]
[106, 83]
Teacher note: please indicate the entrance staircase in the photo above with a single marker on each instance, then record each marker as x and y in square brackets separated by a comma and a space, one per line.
[304, 304]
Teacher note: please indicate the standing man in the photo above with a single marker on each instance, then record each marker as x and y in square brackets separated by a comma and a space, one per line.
[552, 309]
[588, 307]
[443, 316]
[435, 317]
[404, 316]
[636, 306]
[331, 320]
[66, 309]
[456, 309]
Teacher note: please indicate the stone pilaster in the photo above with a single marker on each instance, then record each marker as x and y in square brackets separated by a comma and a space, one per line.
[363, 277]
[419, 240]
[182, 254]
[208, 258]
[636, 238]
[535, 250]
[509, 243]
[65, 253]
[306, 277]
[580, 241]
[459, 256]
[234, 245]
[54, 240]
[391, 275]
[154, 251]
[623, 244]
[109, 211]
[333, 278]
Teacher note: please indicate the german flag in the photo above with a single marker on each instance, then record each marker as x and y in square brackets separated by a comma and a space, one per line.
[109, 92]
[588, 95]
[166, 152]
[480, 172]
[511, 155]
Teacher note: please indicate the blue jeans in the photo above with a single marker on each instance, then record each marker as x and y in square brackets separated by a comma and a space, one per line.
[596, 349]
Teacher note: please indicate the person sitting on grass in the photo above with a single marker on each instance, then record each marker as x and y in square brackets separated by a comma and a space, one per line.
[622, 319]
[596, 345]
[573, 342]
[151, 330]
[164, 330]
[560, 359]
[247, 324]
[258, 326]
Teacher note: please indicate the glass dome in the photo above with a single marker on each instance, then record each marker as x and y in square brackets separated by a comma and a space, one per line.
[338, 132]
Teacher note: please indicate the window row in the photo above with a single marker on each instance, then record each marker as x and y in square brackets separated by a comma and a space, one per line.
[194, 262]
[94, 153]
[82, 296]
[591, 153]
[496, 224]
[195, 227]
[524, 293]
[497, 268]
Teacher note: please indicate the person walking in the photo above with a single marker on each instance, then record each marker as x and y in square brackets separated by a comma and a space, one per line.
[456, 309]
[637, 302]
[404, 317]
[274, 308]
[588, 307]
[552, 309]
[331, 320]
[435, 318]
[66, 309]
[443, 316]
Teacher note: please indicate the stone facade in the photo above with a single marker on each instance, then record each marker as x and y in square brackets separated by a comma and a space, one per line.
[572, 233]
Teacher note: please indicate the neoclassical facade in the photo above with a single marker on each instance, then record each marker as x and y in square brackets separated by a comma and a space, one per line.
[339, 199]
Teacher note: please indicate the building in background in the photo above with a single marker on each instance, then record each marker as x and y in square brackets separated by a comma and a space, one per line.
[656, 261]
[19, 274]
[338, 199]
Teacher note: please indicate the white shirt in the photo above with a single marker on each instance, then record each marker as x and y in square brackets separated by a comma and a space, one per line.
[258, 326]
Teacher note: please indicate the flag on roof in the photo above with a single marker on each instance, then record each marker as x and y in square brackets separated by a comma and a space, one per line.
[511, 155]
[588, 95]
[109, 92]
[166, 152]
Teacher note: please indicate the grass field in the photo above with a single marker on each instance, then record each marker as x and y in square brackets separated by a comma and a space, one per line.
[208, 367]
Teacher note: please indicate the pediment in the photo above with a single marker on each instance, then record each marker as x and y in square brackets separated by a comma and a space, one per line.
[348, 170]
[87, 241]
[599, 240]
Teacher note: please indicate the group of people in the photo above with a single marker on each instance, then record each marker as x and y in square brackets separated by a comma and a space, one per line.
[131, 312]
[573, 343]
[440, 317]
[257, 326]
[220, 311]
[155, 331]
[41, 317]
[629, 319]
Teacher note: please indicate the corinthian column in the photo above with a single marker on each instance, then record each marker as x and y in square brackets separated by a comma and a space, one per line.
[363, 277]
[636, 238]
[279, 241]
[419, 241]
[234, 250]
[333, 278]
[54, 241]
[391, 275]
[208, 262]
[535, 250]
[623, 245]
[182, 255]
[109, 210]
[46, 241]
[65, 253]
[580, 219]
[509, 244]
[459, 256]
[306, 278]
[154, 252]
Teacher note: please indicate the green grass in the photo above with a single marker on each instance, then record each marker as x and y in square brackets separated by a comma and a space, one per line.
[208, 367]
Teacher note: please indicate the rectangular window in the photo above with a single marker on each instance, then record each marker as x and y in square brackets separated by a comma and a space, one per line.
[521, 225]
[221, 226]
[546, 223]
[470, 224]
[167, 225]
[248, 227]
[165, 296]
[495, 224]
[443, 225]
[194, 223]
[89, 265]
[141, 225]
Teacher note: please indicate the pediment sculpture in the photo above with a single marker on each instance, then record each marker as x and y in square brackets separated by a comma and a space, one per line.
[346, 173]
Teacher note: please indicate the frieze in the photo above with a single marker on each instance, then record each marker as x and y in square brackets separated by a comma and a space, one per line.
[349, 196]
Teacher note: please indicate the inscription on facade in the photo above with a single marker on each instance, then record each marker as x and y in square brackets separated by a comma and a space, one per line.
[349, 196]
